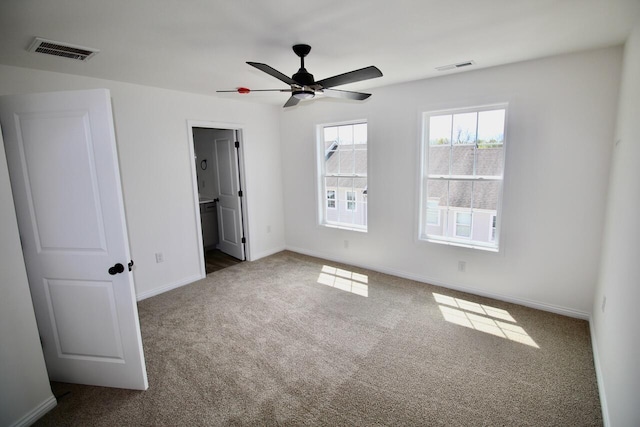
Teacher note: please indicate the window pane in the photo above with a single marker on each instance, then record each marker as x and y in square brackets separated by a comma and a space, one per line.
[345, 135]
[440, 130]
[485, 195]
[360, 133]
[463, 224]
[360, 159]
[460, 194]
[330, 135]
[462, 159]
[464, 128]
[332, 162]
[439, 160]
[489, 160]
[436, 209]
[360, 186]
[491, 127]
[347, 161]
[344, 184]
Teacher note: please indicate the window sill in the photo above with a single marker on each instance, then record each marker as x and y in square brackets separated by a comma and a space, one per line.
[344, 227]
[461, 245]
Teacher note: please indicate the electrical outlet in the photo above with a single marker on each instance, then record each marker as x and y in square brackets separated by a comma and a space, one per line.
[159, 257]
[604, 302]
[462, 266]
[346, 244]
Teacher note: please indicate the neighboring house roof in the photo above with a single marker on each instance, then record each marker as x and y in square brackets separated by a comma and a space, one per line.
[347, 159]
[489, 163]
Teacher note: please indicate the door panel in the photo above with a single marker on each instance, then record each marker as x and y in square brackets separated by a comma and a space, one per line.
[65, 179]
[229, 207]
[77, 204]
[92, 331]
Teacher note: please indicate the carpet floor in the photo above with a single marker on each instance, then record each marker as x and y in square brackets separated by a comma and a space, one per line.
[295, 340]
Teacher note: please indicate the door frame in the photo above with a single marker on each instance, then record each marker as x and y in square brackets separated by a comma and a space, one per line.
[194, 183]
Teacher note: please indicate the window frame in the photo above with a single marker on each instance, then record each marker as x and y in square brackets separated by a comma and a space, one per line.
[321, 176]
[450, 237]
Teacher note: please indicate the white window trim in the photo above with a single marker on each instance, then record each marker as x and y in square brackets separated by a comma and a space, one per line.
[320, 187]
[422, 160]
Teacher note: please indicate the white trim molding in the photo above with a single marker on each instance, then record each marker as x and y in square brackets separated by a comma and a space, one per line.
[36, 413]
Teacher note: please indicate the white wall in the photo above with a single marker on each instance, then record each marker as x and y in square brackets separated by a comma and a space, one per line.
[25, 393]
[561, 120]
[153, 148]
[615, 329]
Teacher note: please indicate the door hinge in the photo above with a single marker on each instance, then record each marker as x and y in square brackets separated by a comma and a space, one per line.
[244, 240]
[237, 144]
[240, 193]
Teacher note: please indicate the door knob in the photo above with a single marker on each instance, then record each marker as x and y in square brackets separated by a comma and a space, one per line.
[216, 200]
[118, 268]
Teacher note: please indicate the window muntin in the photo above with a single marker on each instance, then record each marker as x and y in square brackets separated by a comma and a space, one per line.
[462, 164]
[342, 168]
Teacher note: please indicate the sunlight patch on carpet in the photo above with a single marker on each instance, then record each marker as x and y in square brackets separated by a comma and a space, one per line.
[344, 280]
[484, 318]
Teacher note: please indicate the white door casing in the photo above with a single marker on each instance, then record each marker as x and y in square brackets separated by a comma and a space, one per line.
[65, 178]
[230, 227]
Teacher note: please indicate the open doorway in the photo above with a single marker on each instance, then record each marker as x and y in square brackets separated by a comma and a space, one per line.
[218, 177]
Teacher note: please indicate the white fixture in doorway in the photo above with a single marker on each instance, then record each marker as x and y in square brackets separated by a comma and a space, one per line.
[227, 162]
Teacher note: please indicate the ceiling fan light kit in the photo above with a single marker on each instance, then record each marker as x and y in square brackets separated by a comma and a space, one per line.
[302, 84]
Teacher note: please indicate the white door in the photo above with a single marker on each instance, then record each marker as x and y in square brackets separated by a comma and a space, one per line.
[64, 173]
[228, 200]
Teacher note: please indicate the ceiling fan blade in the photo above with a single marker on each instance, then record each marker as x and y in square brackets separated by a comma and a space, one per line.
[254, 90]
[351, 77]
[272, 72]
[291, 102]
[335, 93]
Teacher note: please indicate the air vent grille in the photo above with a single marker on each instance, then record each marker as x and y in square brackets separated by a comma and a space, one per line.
[64, 50]
[454, 66]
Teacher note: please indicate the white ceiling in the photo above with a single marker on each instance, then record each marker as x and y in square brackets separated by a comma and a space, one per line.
[202, 45]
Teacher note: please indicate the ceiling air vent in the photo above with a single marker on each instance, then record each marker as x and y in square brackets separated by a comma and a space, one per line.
[65, 50]
[454, 66]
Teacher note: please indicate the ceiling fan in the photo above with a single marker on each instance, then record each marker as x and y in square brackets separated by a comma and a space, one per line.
[303, 86]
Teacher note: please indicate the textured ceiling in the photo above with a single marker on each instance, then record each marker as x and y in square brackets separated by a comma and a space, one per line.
[202, 45]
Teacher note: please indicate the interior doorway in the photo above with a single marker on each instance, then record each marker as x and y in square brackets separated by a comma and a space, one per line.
[218, 177]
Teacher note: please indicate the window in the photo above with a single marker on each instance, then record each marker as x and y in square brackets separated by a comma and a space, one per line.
[351, 200]
[463, 224]
[331, 199]
[433, 212]
[462, 173]
[342, 171]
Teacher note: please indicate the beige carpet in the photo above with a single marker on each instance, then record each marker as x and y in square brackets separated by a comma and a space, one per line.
[291, 340]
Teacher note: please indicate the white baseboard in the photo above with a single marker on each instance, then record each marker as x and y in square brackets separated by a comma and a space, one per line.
[515, 300]
[36, 413]
[599, 378]
[163, 289]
